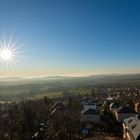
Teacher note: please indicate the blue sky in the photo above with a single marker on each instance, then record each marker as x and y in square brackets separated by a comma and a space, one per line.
[73, 37]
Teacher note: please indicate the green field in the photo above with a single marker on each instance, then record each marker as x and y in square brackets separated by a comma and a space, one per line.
[14, 89]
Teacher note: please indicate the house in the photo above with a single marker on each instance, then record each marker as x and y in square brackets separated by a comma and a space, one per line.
[124, 112]
[57, 105]
[88, 103]
[90, 115]
[131, 128]
[114, 106]
[58, 108]
[108, 101]
[109, 98]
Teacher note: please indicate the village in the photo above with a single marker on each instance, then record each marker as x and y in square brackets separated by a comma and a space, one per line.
[111, 115]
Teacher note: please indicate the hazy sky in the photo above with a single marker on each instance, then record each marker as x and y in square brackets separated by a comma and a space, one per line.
[72, 37]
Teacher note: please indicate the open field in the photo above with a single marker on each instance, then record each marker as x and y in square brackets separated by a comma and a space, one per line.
[14, 89]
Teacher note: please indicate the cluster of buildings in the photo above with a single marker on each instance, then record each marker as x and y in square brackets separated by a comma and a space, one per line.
[127, 115]
[117, 101]
[124, 114]
[123, 104]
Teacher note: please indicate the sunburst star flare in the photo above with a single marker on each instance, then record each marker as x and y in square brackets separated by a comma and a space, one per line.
[9, 52]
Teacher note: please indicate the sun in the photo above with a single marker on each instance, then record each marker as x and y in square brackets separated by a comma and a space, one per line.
[6, 54]
[9, 52]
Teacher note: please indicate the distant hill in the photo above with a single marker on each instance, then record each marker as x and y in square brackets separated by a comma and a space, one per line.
[113, 77]
[17, 88]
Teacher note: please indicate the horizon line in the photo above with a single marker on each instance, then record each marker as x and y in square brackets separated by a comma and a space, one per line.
[70, 76]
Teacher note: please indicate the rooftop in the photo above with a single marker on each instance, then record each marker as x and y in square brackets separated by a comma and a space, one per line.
[133, 125]
[126, 109]
[91, 112]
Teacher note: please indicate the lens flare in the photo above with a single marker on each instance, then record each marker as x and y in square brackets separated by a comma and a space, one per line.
[9, 52]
